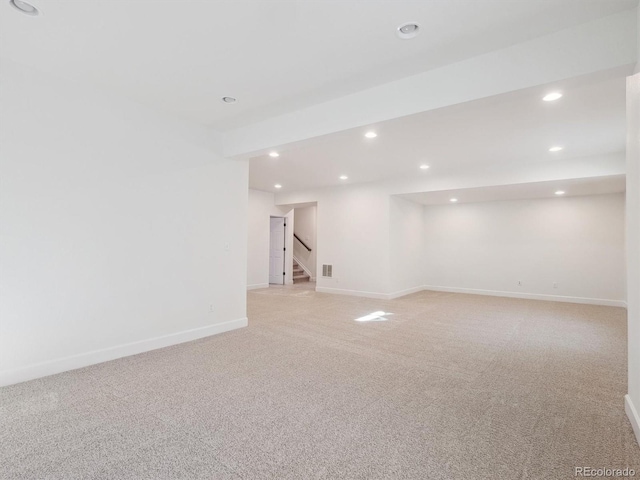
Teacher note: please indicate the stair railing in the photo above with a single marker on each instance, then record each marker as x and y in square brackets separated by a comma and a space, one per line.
[303, 244]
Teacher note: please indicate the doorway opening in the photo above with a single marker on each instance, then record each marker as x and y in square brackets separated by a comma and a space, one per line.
[304, 244]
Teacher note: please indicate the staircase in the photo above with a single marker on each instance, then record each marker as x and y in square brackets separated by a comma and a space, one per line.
[299, 275]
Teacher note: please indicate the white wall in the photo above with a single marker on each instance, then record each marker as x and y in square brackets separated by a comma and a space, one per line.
[261, 207]
[305, 227]
[577, 242]
[407, 249]
[353, 235]
[369, 236]
[637, 69]
[633, 248]
[114, 224]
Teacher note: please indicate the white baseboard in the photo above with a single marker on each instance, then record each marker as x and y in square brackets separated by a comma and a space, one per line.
[632, 413]
[353, 293]
[257, 286]
[529, 296]
[360, 293]
[473, 291]
[402, 293]
[9, 377]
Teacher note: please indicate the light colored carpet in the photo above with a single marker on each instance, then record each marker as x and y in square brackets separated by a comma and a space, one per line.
[448, 387]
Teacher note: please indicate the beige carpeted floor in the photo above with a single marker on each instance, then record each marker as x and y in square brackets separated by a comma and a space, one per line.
[447, 387]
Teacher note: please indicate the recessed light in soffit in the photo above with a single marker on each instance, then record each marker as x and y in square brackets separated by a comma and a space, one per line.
[408, 30]
[552, 97]
[24, 7]
[229, 99]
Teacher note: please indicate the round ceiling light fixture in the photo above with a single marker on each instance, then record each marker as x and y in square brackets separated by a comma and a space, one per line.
[424, 167]
[371, 134]
[24, 7]
[229, 99]
[555, 149]
[560, 192]
[453, 200]
[408, 30]
[274, 154]
[277, 185]
[343, 177]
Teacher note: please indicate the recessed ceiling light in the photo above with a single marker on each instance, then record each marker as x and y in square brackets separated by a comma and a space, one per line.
[24, 7]
[343, 177]
[424, 167]
[274, 154]
[229, 100]
[277, 185]
[454, 200]
[371, 134]
[550, 97]
[555, 149]
[560, 192]
[408, 30]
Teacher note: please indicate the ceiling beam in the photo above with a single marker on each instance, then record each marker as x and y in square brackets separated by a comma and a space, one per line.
[595, 167]
[602, 44]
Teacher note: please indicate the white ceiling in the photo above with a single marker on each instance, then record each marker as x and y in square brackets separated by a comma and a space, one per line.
[509, 130]
[182, 56]
[522, 191]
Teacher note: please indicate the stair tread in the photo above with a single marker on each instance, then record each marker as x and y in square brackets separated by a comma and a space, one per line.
[299, 274]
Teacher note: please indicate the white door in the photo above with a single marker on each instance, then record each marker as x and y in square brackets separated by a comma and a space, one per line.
[276, 251]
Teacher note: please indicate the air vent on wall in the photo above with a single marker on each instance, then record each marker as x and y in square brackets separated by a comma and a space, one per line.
[327, 271]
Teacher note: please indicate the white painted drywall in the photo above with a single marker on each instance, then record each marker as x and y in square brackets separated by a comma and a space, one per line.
[305, 219]
[261, 208]
[407, 245]
[637, 69]
[353, 235]
[119, 225]
[576, 242]
[369, 237]
[633, 243]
